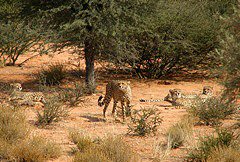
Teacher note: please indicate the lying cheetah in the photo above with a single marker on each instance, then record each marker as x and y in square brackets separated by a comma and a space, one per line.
[119, 91]
[25, 98]
[177, 98]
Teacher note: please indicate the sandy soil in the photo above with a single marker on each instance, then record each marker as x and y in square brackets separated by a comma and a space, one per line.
[87, 117]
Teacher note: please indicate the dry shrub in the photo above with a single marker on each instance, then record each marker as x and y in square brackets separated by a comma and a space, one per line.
[212, 111]
[83, 142]
[180, 132]
[53, 111]
[15, 143]
[109, 149]
[144, 121]
[161, 151]
[35, 149]
[223, 138]
[224, 154]
[52, 75]
[13, 125]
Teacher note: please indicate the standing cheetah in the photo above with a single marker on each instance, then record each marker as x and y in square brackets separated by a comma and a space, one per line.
[119, 91]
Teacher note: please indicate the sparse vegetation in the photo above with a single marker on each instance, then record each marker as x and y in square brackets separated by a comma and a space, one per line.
[13, 126]
[52, 75]
[35, 149]
[53, 111]
[72, 96]
[144, 121]
[212, 111]
[180, 132]
[207, 145]
[16, 143]
[109, 149]
[224, 154]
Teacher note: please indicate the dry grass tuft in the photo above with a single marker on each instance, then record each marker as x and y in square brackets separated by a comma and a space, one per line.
[109, 149]
[35, 149]
[180, 132]
[15, 143]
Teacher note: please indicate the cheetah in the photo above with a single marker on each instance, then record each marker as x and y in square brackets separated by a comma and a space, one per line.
[119, 91]
[16, 87]
[25, 98]
[177, 98]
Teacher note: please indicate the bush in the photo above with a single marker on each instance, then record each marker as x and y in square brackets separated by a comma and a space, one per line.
[178, 133]
[15, 142]
[17, 38]
[72, 95]
[35, 149]
[211, 111]
[224, 154]
[208, 144]
[52, 75]
[183, 37]
[230, 49]
[144, 121]
[53, 111]
[83, 142]
[13, 125]
[109, 149]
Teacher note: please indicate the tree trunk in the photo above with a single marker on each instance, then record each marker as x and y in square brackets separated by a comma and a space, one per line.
[89, 60]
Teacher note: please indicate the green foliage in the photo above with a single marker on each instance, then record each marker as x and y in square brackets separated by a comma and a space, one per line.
[74, 95]
[229, 54]
[144, 121]
[211, 111]
[182, 35]
[53, 111]
[52, 75]
[108, 149]
[17, 38]
[208, 144]
[178, 133]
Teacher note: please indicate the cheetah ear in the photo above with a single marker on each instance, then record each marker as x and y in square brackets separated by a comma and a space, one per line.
[170, 91]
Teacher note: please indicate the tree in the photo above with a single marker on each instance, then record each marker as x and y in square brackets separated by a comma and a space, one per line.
[101, 28]
[229, 54]
[17, 36]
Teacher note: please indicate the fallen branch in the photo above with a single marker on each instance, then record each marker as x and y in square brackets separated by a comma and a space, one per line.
[28, 59]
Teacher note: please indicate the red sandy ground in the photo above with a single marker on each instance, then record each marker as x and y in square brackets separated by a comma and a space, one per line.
[87, 117]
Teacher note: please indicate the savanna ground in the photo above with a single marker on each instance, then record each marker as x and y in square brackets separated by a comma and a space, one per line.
[87, 116]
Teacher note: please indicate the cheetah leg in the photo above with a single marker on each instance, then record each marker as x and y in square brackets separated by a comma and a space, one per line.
[123, 110]
[106, 103]
[114, 109]
[128, 109]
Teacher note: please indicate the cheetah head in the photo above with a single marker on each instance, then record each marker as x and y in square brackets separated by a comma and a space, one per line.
[207, 90]
[123, 84]
[16, 86]
[175, 93]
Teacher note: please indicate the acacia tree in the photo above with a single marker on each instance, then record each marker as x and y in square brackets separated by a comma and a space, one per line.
[102, 28]
[229, 54]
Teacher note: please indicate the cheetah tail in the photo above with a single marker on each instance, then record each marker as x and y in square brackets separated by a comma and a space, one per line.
[100, 102]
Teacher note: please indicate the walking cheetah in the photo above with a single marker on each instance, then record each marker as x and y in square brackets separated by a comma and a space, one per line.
[119, 91]
[25, 98]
